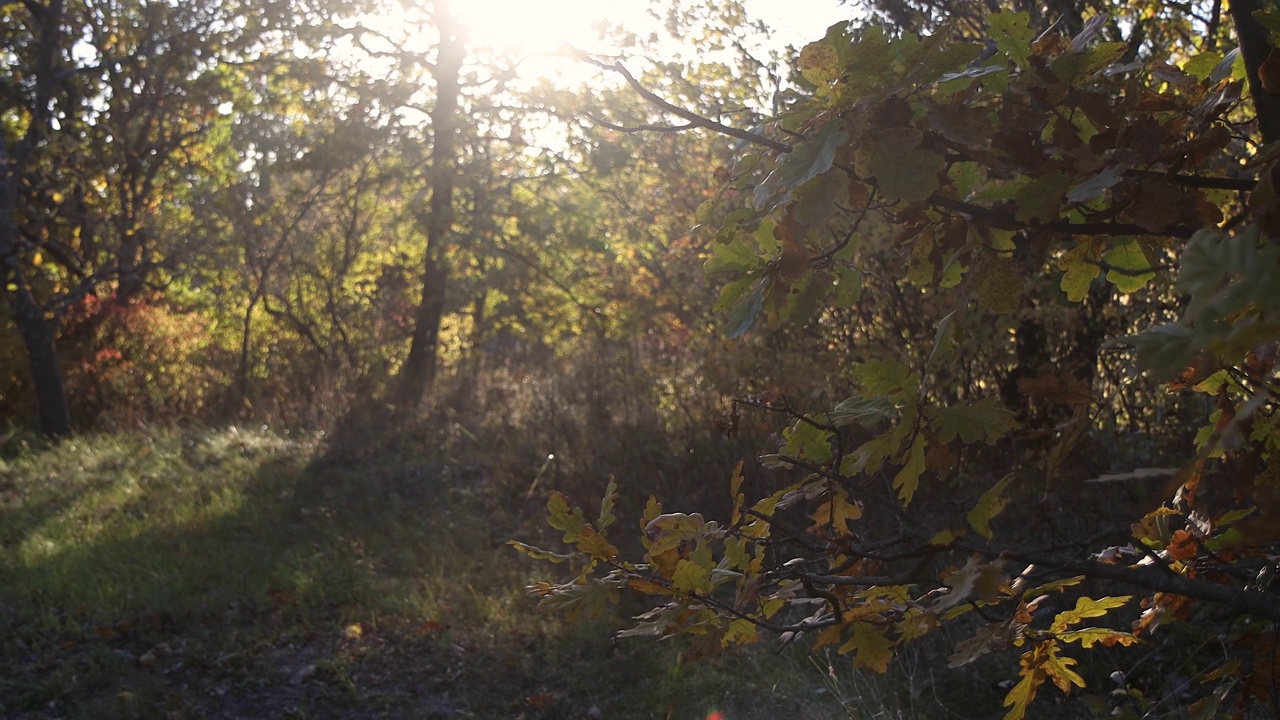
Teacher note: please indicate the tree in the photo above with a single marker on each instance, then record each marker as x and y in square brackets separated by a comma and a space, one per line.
[970, 175]
[107, 119]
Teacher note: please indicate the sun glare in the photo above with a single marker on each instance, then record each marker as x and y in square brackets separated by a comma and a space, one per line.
[536, 31]
[541, 27]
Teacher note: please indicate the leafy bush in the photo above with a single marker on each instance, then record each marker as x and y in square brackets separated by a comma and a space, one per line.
[1003, 237]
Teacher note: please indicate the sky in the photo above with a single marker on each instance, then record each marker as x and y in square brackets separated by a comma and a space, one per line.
[539, 24]
[800, 21]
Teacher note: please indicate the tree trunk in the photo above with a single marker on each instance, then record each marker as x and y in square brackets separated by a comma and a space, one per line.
[1256, 47]
[35, 329]
[419, 371]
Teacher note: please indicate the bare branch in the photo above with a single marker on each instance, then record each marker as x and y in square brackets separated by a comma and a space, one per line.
[695, 120]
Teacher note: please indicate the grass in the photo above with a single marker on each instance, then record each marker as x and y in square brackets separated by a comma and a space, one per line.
[234, 574]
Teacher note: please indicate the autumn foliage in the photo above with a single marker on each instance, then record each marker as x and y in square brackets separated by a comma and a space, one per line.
[992, 188]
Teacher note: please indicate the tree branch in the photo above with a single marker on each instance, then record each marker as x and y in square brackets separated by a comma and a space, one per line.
[1006, 222]
[695, 120]
[1239, 600]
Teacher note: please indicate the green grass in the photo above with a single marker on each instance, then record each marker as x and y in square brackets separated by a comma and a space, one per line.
[220, 574]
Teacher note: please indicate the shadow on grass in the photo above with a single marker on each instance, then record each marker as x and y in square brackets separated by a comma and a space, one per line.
[234, 576]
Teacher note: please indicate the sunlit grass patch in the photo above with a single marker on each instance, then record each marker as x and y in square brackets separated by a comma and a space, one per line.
[171, 573]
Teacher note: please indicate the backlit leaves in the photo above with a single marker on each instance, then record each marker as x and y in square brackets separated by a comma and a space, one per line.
[1087, 608]
[902, 169]
[806, 161]
[953, 190]
[983, 421]
[1013, 35]
[991, 504]
[1130, 269]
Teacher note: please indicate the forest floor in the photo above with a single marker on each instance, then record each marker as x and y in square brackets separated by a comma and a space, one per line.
[231, 574]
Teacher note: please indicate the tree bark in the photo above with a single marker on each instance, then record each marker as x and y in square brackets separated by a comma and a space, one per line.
[1256, 47]
[419, 371]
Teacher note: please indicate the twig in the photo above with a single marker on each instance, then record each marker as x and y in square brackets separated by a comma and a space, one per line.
[695, 120]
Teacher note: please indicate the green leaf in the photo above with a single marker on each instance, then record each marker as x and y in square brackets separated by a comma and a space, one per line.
[990, 504]
[735, 256]
[1093, 188]
[1078, 273]
[565, 517]
[943, 338]
[669, 531]
[867, 412]
[806, 442]
[1067, 68]
[744, 313]
[1041, 199]
[815, 201]
[907, 481]
[740, 632]
[997, 284]
[1210, 258]
[607, 505]
[903, 170]
[1013, 36]
[884, 377]
[1166, 350]
[920, 267]
[848, 288]
[984, 421]
[1128, 256]
[807, 160]
[1202, 65]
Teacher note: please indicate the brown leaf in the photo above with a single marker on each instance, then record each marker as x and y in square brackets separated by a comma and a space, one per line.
[1269, 72]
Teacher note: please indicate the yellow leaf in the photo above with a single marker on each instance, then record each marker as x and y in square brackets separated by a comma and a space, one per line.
[991, 504]
[739, 632]
[945, 537]
[874, 648]
[353, 631]
[829, 635]
[819, 63]
[1059, 671]
[593, 543]
[1021, 695]
[916, 623]
[1106, 637]
[1086, 608]
[691, 577]
[837, 512]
